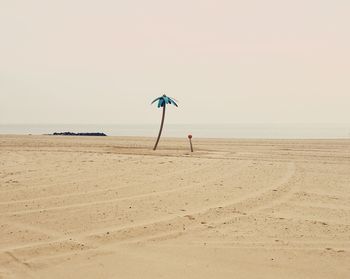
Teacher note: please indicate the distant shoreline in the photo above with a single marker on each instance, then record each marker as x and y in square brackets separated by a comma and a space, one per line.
[78, 134]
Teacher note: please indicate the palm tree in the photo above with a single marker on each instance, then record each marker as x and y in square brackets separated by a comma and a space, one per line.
[162, 102]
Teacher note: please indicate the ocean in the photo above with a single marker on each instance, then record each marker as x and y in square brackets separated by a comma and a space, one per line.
[263, 131]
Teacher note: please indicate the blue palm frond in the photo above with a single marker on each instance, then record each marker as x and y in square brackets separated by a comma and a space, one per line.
[173, 102]
[161, 102]
[155, 100]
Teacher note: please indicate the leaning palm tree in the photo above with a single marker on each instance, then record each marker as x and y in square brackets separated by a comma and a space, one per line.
[162, 102]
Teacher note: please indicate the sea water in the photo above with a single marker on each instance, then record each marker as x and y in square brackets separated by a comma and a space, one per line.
[264, 131]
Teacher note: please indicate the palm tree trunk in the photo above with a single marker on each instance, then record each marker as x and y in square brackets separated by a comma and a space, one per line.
[161, 128]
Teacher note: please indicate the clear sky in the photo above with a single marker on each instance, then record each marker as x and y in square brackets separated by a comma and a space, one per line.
[81, 61]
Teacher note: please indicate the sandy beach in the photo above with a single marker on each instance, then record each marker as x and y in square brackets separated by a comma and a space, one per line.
[110, 207]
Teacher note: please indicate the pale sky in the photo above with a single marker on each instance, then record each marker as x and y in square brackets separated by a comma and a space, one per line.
[81, 61]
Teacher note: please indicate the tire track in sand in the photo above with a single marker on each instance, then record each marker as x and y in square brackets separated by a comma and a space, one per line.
[175, 226]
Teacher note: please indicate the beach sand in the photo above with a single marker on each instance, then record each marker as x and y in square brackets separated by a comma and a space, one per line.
[110, 207]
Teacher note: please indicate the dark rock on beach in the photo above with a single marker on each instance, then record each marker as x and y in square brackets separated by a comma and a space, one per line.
[79, 134]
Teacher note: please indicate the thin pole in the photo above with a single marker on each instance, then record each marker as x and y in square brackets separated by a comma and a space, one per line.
[161, 128]
[191, 145]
